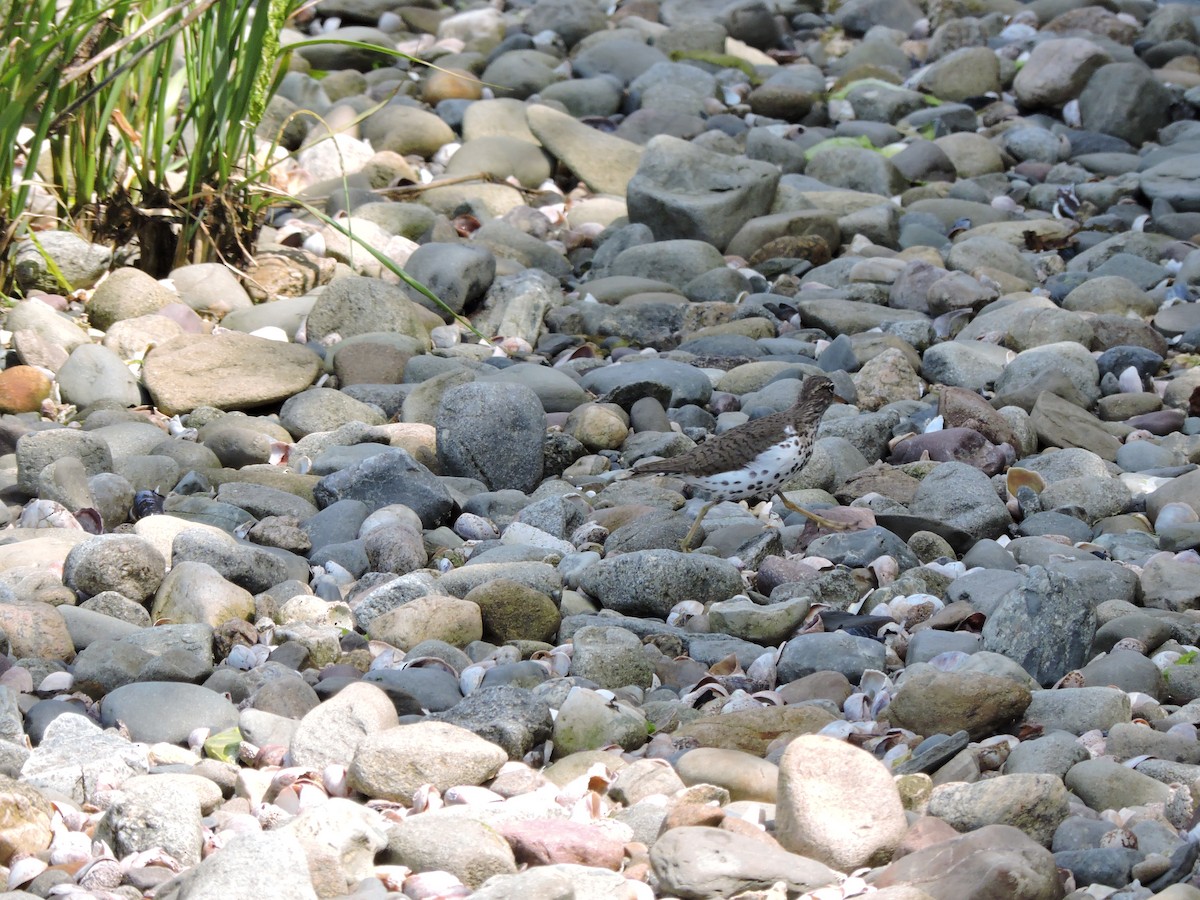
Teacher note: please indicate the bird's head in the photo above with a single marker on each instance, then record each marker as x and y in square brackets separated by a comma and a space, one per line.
[818, 391]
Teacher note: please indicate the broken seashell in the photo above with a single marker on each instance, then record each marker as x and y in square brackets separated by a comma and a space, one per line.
[738, 701]
[70, 849]
[764, 668]
[842, 730]
[156, 856]
[100, 874]
[55, 682]
[470, 795]
[1130, 643]
[389, 809]
[472, 676]
[1073, 679]
[911, 609]
[857, 708]
[683, 611]
[426, 798]
[1018, 477]
[993, 752]
[1165, 658]
[247, 753]
[1119, 837]
[769, 698]
[1140, 483]
[512, 345]
[392, 876]
[333, 779]
[246, 658]
[23, 870]
[873, 682]
[726, 665]
[301, 796]
[949, 661]
[385, 656]
[885, 569]
[950, 568]
[428, 662]
[47, 514]
[197, 737]
[434, 885]
[1093, 742]
[1130, 381]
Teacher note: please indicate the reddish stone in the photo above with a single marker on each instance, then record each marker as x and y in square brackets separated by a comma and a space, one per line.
[637, 872]
[741, 826]
[541, 842]
[683, 815]
[450, 84]
[186, 318]
[54, 301]
[831, 686]
[925, 832]
[776, 570]
[996, 862]
[22, 389]
[36, 630]
[953, 444]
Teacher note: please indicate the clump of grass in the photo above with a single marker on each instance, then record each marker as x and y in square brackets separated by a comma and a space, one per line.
[137, 119]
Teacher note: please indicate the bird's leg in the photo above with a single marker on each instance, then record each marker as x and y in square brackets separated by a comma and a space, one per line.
[686, 545]
[811, 516]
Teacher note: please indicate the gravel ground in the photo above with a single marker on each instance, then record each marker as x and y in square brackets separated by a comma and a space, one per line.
[308, 591]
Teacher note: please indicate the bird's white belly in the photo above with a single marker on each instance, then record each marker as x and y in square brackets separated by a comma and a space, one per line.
[764, 475]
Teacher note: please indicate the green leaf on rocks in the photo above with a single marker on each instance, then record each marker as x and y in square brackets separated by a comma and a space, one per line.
[1185, 659]
[224, 745]
[834, 143]
[843, 92]
[722, 60]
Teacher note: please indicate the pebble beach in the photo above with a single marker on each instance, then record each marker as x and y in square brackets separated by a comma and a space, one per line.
[311, 587]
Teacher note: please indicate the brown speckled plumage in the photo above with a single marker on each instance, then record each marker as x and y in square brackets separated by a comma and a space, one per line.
[732, 452]
[754, 459]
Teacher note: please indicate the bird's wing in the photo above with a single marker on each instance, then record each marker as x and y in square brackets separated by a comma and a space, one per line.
[712, 457]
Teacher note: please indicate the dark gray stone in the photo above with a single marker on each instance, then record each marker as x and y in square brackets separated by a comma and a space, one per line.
[246, 565]
[166, 711]
[834, 651]
[492, 432]
[387, 478]
[509, 717]
[1046, 624]
[682, 191]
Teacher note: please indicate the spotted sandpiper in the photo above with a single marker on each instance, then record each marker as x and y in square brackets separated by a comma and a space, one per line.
[754, 459]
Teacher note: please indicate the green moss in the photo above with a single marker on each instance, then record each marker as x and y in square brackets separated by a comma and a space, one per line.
[836, 142]
[720, 60]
